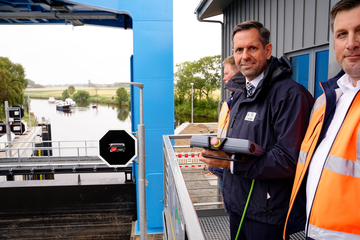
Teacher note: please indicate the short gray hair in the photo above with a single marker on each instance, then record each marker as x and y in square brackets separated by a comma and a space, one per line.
[264, 32]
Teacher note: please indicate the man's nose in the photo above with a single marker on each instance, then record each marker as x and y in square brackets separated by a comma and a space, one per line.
[245, 54]
[353, 41]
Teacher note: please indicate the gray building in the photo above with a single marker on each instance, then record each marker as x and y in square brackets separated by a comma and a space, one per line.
[300, 30]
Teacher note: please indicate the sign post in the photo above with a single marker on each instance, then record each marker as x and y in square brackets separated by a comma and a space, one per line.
[141, 161]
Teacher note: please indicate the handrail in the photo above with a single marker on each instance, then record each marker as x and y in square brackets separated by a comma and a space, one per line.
[80, 149]
[179, 211]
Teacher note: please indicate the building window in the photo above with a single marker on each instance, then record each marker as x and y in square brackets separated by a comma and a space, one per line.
[300, 72]
[310, 67]
[321, 70]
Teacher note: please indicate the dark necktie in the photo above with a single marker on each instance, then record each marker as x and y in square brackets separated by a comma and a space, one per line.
[250, 89]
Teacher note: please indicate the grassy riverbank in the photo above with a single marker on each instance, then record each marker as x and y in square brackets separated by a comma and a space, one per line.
[104, 94]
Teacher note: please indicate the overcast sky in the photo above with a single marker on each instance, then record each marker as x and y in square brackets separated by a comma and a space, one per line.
[57, 54]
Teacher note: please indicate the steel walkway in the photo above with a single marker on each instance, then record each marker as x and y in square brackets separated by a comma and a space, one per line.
[193, 208]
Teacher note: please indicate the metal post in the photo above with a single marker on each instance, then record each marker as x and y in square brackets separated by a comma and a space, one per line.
[192, 100]
[142, 169]
[85, 148]
[8, 132]
[142, 180]
[29, 105]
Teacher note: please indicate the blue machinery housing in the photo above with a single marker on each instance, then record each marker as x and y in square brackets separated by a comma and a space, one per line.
[152, 63]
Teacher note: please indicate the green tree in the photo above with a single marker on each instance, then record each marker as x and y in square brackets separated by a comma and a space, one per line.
[71, 90]
[12, 83]
[184, 76]
[121, 95]
[204, 73]
[65, 94]
[33, 84]
[90, 84]
[96, 89]
[81, 96]
[209, 71]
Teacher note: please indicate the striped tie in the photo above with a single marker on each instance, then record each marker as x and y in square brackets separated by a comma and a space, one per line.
[250, 89]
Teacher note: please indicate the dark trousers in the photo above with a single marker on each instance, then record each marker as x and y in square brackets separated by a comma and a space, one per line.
[254, 230]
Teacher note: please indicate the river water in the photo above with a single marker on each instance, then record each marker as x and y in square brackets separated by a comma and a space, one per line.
[82, 123]
[87, 123]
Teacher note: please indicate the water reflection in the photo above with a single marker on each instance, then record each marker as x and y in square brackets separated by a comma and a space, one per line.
[65, 113]
[82, 105]
[123, 113]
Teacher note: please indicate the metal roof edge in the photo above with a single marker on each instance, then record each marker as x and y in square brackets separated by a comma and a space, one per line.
[211, 8]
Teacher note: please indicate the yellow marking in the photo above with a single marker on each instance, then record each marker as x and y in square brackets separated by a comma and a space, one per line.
[172, 229]
[218, 144]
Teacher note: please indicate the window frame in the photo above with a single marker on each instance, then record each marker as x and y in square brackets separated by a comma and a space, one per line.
[312, 63]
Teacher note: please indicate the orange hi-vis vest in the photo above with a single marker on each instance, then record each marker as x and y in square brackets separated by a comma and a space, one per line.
[224, 117]
[335, 212]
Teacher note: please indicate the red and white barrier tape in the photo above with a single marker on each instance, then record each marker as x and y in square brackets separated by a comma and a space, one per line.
[187, 155]
[193, 166]
[191, 160]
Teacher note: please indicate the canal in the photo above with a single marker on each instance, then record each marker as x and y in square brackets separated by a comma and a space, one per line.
[87, 123]
[81, 123]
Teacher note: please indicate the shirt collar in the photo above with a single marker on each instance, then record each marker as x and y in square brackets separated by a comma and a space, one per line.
[345, 84]
[256, 80]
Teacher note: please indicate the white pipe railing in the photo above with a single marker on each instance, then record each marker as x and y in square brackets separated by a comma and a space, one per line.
[79, 148]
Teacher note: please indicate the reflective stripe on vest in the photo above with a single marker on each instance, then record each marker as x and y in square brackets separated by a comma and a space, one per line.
[320, 102]
[336, 203]
[223, 120]
[302, 157]
[319, 233]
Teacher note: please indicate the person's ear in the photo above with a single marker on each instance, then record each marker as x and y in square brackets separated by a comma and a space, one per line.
[268, 50]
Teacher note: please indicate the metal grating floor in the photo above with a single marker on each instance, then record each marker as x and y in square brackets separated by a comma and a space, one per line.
[298, 236]
[218, 228]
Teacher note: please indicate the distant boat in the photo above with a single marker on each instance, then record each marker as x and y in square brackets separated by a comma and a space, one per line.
[51, 100]
[70, 101]
[63, 106]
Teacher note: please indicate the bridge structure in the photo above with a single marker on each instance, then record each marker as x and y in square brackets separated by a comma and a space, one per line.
[151, 64]
[79, 157]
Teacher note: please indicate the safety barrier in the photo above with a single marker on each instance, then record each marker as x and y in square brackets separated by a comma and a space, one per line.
[180, 220]
[189, 192]
[189, 160]
[63, 157]
[57, 149]
[28, 155]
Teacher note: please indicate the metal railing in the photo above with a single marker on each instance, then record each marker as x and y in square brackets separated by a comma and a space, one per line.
[179, 216]
[55, 150]
[187, 191]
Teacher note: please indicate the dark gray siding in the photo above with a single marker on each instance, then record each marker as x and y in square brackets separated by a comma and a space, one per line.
[294, 24]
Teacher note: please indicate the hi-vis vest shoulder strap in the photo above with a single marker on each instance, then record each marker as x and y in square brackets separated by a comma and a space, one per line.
[335, 210]
[223, 120]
